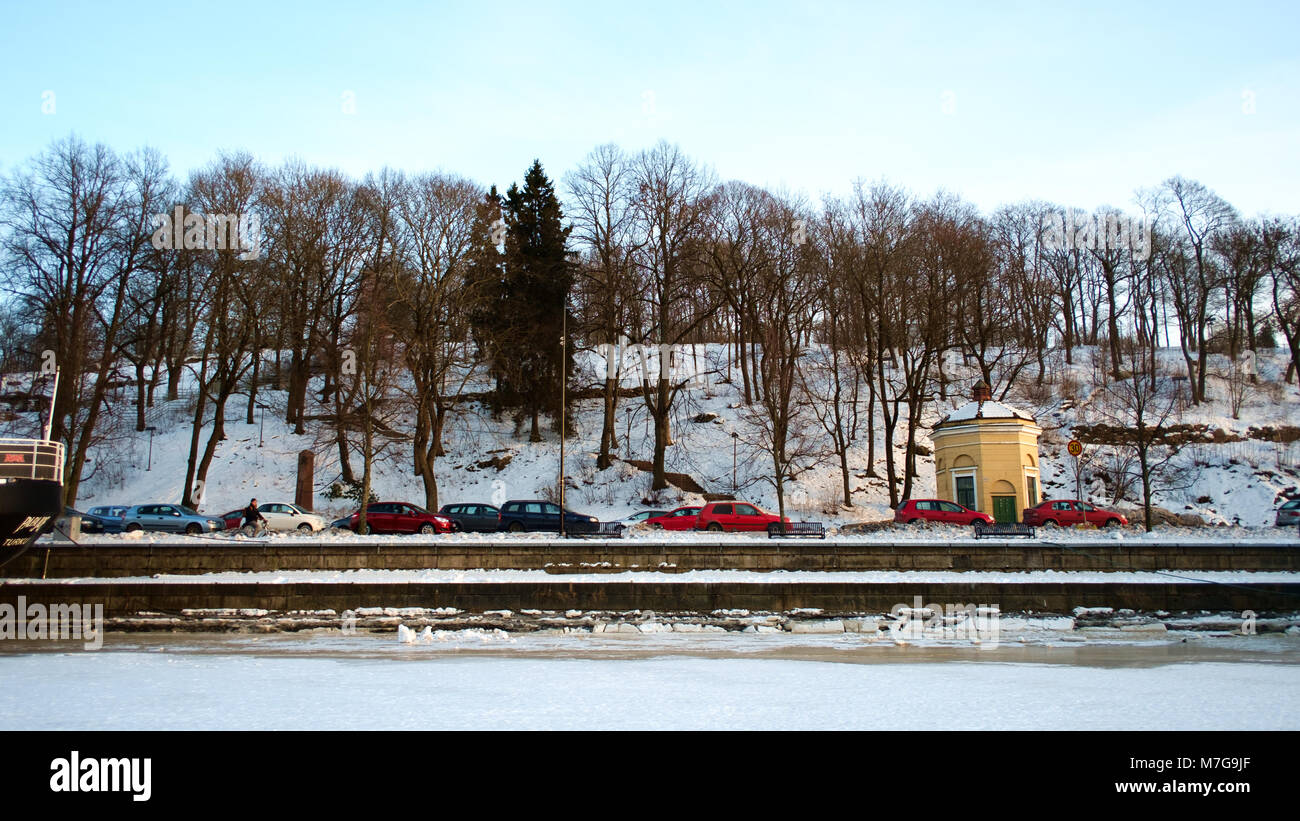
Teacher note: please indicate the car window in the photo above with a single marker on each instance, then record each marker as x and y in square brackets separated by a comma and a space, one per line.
[533, 507]
[551, 510]
[1085, 507]
[1294, 504]
[949, 507]
[746, 510]
[1061, 506]
[722, 510]
[924, 506]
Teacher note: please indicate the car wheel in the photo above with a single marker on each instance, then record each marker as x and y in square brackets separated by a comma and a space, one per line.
[133, 527]
[913, 521]
[774, 530]
[1051, 523]
[515, 527]
[714, 527]
[364, 530]
[427, 529]
[304, 528]
[978, 524]
[192, 529]
[1111, 523]
[656, 526]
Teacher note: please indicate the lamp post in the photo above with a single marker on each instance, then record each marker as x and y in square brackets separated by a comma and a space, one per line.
[628, 438]
[151, 429]
[262, 427]
[735, 438]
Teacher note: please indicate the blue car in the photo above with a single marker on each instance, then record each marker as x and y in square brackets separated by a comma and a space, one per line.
[91, 522]
[533, 515]
[170, 519]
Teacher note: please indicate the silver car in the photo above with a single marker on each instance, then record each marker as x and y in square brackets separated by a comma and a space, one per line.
[1288, 515]
[169, 519]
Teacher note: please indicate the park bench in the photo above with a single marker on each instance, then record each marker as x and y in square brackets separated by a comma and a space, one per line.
[797, 529]
[1003, 529]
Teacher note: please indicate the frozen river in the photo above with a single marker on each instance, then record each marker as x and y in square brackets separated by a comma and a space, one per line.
[480, 680]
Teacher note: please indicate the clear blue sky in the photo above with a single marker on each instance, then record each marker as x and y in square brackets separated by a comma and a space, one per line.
[1079, 103]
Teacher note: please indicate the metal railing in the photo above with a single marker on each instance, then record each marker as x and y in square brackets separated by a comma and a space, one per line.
[31, 459]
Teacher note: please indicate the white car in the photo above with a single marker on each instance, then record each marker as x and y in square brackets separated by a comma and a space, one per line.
[637, 518]
[285, 517]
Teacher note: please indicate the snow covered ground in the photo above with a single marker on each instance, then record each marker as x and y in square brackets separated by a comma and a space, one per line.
[926, 533]
[654, 682]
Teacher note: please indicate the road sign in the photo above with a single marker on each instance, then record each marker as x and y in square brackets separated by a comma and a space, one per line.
[1075, 447]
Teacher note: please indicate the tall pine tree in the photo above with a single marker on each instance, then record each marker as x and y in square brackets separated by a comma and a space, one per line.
[520, 321]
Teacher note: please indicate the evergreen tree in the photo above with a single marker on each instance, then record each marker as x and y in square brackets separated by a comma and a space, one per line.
[528, 359]
[486, 289]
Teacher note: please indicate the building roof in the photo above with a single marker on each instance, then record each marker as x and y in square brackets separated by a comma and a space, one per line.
[987, 409]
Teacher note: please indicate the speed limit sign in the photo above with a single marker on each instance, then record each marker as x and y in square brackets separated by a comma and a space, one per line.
[1075, 447]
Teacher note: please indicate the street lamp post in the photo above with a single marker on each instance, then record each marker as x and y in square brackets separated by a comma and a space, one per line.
[262, 427]
[735, 438]
[151, 429]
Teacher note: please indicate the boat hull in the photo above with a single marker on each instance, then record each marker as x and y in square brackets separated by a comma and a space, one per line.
[27, 507]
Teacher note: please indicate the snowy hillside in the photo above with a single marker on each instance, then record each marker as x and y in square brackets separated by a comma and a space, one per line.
[1239, 478]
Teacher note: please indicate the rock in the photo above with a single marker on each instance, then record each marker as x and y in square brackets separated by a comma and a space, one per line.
[705, 417]
[817, 626]
[1154, 627]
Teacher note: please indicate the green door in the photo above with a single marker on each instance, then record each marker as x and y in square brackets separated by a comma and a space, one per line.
[1004, 509]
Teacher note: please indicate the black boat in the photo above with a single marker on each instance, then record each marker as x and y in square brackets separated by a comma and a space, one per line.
[31, 492]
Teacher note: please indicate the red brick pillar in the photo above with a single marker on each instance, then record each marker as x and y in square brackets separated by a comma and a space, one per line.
[306, 479]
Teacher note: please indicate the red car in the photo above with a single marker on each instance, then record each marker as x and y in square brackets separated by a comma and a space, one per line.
[736, 517]
[938, 510]
[683, 518]
[1069, 512]
[401, 517]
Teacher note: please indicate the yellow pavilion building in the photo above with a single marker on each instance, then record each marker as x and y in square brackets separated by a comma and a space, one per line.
[986, 457]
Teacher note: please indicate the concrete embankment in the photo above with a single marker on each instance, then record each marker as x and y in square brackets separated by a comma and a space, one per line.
[119, 559]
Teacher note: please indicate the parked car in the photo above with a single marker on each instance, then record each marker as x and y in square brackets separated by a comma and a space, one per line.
[169, 519]
[1070, 512]
[683, 518]
[109, 511]
[637, 518]
[914, 511]
[401, 517]
[234, 519]
[1288, 514]
[521, 515]
[735, 517]
[90, 522]
[473, 518]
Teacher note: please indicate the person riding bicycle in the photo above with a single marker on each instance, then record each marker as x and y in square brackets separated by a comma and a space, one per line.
[253, 517]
